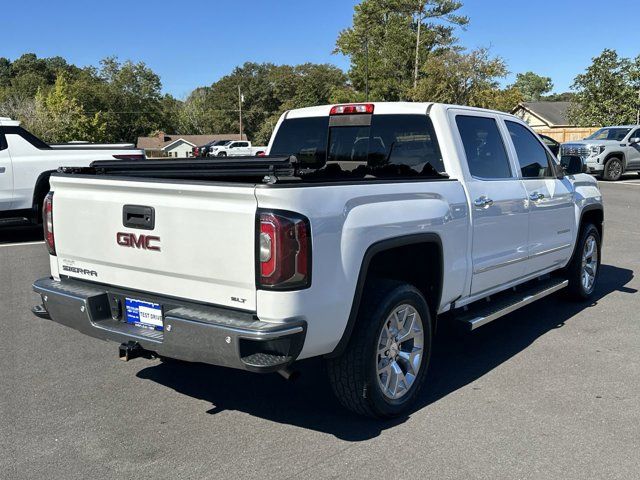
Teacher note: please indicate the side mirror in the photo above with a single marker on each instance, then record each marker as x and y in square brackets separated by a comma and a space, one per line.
[573, 165]
[634, 140]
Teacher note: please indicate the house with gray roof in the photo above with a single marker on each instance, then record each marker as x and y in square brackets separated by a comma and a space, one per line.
[165, 145]
[552, 119]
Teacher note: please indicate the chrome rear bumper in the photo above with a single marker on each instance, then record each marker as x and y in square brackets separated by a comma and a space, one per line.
[192, 332]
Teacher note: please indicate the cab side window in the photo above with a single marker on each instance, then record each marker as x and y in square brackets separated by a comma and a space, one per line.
[532, 156]
[486, 155]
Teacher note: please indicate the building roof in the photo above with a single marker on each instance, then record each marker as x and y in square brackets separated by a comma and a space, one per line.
[161, 140]
[168, 146]
[553, 113]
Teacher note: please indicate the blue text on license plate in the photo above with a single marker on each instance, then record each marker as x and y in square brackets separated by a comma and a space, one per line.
[144, 314]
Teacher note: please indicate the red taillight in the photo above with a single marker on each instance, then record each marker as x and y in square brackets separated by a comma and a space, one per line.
[133, 156]
[284, 251]
[352, 109]
[261, 154]
[47, 222]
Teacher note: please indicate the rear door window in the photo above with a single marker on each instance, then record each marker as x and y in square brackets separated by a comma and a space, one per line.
[404, 144]
[484, 148]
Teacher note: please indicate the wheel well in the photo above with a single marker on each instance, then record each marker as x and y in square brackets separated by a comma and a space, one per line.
[41, 189]
[414, 259]
[595, 216]
[419, 264]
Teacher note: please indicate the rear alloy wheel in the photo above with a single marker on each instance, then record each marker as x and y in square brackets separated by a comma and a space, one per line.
[613, 169]
[400, 350]
[381, 371]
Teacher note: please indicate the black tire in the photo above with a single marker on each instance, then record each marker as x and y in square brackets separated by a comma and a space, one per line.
[222, 154]
[613, 169]
[354, 374]
[577, 289]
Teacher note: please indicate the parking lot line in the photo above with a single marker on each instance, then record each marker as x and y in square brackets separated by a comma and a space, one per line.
[18, 244]
[634, 183]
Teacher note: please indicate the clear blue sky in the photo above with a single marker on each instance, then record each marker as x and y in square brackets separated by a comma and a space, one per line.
[191, 43]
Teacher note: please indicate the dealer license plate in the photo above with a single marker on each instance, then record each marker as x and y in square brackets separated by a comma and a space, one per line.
[144, 314]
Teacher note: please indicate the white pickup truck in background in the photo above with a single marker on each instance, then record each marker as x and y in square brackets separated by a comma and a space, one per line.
[26, 162]
[236, 148]
[350, 241]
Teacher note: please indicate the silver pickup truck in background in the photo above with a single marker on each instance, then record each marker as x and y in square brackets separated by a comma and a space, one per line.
[609, 152]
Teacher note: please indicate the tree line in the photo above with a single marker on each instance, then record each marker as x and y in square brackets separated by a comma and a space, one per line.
[398, 50]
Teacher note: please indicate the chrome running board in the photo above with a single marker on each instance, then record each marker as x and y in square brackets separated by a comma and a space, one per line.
[482, 312]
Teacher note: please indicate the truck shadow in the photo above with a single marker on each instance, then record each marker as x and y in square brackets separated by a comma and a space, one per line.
[308, 402]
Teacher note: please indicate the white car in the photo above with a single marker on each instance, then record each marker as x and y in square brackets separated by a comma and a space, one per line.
[26, 163]
[236, 148]
[363, 226]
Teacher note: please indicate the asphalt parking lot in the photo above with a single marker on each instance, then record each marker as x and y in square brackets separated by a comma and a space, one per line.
[551, 391]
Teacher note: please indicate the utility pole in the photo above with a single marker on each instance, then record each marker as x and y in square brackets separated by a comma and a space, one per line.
[415, 71]
[366, 69]
[240, 109]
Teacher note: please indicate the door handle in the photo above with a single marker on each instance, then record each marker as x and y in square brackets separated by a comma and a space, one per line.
[536, 196]
[483, 202]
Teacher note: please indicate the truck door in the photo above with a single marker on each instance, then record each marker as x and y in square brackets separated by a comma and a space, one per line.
[6, 175]
[243, 148]
[550, 199]
[633, 151]
[499, 212]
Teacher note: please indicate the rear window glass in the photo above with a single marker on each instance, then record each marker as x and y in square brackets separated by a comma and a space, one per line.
[393, 145]
[306, 138]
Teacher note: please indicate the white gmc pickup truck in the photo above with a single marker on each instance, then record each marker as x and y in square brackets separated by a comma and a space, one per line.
[364, 225]
[26, 162]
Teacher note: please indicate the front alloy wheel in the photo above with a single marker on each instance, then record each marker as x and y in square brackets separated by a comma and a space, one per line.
[582, 271]
[589, 263]
[613, 169]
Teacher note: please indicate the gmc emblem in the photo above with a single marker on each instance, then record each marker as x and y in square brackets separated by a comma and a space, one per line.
[137, 241]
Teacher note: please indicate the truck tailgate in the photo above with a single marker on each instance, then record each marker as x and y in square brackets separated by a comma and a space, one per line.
[202, 246]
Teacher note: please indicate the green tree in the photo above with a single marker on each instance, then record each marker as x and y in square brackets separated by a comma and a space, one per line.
[560, 97]
[129, 98]
[60, 118]
[463, 78]
[532, 85]
[267, 89]
[607, 93]
[390, 41]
